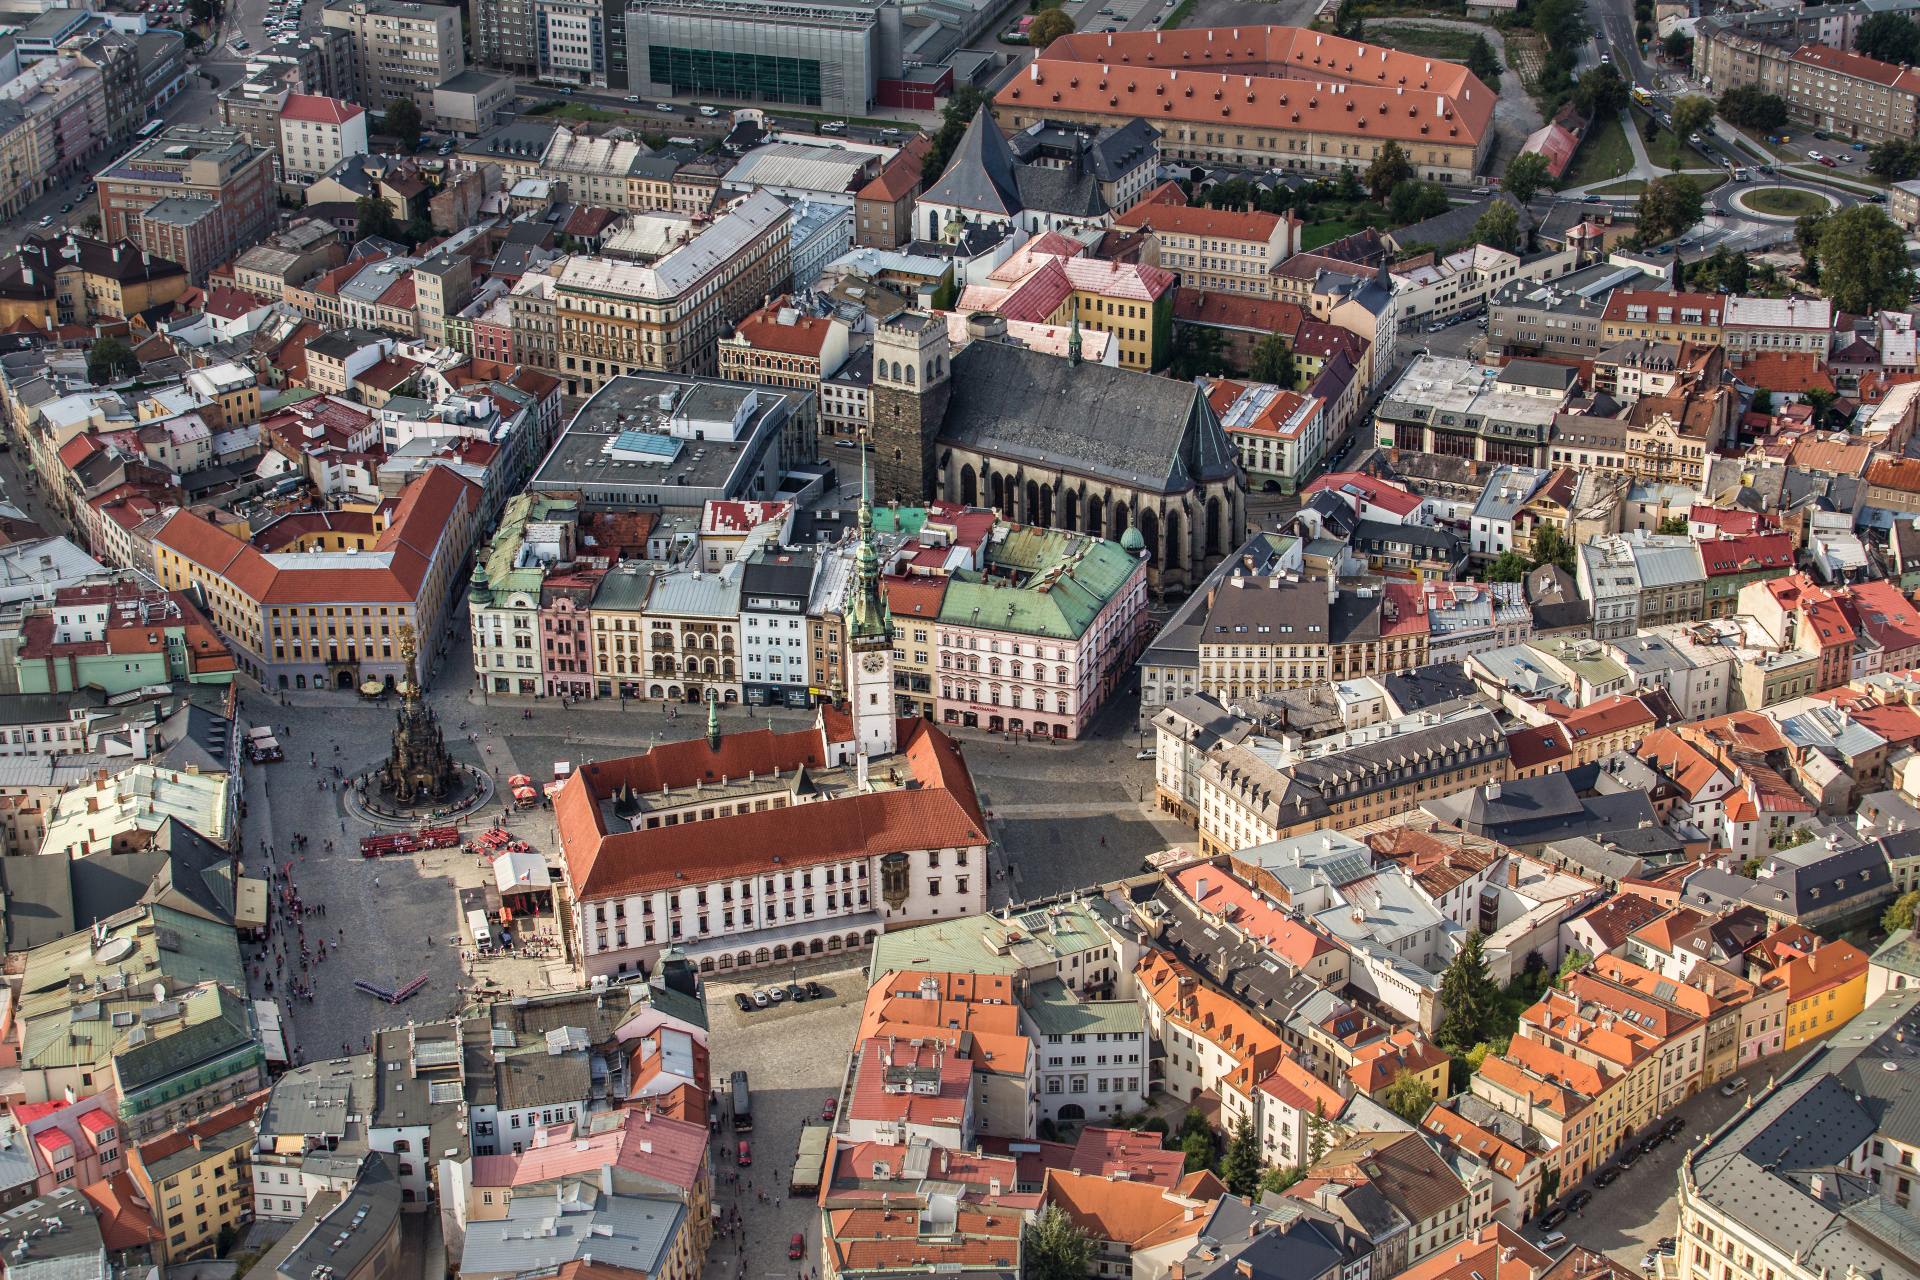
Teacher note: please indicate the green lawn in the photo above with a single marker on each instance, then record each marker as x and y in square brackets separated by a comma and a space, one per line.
[1315, 234]
[1605, 154]
[1784, 202]
[576, 111]
[1631, 187]
[1179, 15]
[1428, 42]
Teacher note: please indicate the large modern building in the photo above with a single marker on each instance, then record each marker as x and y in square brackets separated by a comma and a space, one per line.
[616, 317]
[184, 167]
[1815, 1178]
[399, 49]
[1804, 57]
[829, 54]
[1262, 98]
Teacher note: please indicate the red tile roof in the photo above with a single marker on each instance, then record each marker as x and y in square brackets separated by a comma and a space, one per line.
[1860, 67]
[1747, 553]
[1284, 78]
[803, 335]
[941, 812]
[1661, 307]
[1218, 224]
[317, 109]
[1232, 311]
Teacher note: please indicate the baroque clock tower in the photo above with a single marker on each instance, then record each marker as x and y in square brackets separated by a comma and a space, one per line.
[870, 645]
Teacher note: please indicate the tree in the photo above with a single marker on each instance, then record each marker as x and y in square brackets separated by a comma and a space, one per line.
[1198, 351]
[1752, 107]
[1053, 1248]
[1390, 167]
[1551, 546]
[1526, 175]
[1348, 22]
[1677, 46]
[1900, 914]
[1889, 37]
[1691, 114]
[954, 119]
[1048, 25]
[1484, 62]
[1278, 1179]
[1561, 23]
[1470, 1000]
[1673, 526]
[1198, 1148]
[1412, 202]
[1762, 401]
[1319, 1134]
[1668, 207]
[110, 358]
[1601, 92]
[1509, 566]
[1240, 1167]
[1820, 400]
[1408, 1097]
[1477, 1056]
[1721, 271]
[403, 123]
[1272, 361]
[376, 219]
[1863, 261]
[1896, 160]
[1499, 226]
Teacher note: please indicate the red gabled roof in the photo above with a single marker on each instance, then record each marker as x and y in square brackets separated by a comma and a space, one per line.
[1747, 553]
[317, 109]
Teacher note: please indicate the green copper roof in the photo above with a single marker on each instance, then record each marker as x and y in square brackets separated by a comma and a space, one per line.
[1040, 582]
[497, 568]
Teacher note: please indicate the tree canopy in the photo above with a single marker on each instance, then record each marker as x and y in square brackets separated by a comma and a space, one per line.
[1411, 202]
[402, 121]
[1863, 261]
[1048, 25]
[1896, 160]
[1752, 107]
[1499, 226]
[1240, 1167]
[1899, 915]
[1889, 37]
[1484, 62]
[1469, 1001]
[1272, 362]
[109, 359]
[1669, 207]
[1408, 1097]
[1053, 1248]
[1390, 167]
[1526, 175]
[1600, 92]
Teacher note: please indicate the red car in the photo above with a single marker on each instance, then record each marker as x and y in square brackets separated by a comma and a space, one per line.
[743, 1155]
[797, 1247]
[827, 1109]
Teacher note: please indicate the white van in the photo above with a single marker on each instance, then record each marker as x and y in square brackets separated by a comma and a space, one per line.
[1553, 1242]
[477, 925]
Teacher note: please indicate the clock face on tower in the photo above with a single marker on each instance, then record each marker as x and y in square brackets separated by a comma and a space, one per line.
[873, 662]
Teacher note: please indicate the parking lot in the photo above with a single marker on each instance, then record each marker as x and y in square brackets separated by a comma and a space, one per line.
[795, 1057]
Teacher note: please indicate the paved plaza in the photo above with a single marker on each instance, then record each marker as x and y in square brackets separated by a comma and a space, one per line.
[1062, 816]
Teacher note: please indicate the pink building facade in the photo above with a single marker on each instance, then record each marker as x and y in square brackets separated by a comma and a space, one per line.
[566, 654]
[1035, 682]
[75, 1142]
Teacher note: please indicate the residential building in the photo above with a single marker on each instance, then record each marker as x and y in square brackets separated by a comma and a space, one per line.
[79, 280]
[198, 1179]
[177, 170]
[400, 49]
[1213, 250]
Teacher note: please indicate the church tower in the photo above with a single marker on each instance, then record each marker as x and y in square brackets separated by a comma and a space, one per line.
[912, 368]
[869, 630]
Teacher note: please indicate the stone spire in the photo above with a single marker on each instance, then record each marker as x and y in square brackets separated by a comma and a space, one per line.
[713, 720]
[1073, 339]
[867, 615]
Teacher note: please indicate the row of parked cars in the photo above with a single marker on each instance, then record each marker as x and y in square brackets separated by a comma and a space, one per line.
[1612, 1173]
[767, 997]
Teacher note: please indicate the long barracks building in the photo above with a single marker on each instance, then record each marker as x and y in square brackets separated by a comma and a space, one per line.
[1262, 97]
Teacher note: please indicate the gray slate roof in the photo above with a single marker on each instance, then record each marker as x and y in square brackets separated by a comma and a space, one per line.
[1129, 428]
[981, 173]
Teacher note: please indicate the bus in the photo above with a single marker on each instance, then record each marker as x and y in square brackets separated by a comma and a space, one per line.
[150, 128]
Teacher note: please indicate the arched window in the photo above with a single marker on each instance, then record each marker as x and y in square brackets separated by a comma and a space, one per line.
[909, 375]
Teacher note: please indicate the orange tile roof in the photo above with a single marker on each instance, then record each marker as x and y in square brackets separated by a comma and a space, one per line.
[1895, 473]
[1192, 220]
[125, 1223]
[1202, 1011]
[1383, 1061]
[1219, 894]
[900, 175]
[1290, 1082]
[1610, 714]
[1496, 1252]
[1833, 965]
[1661, 307]
[1482, 1144]
[1679, 760]
[1286, 78]
[1859, 66]
[318, 109]
[918, 596]
[1118, 1209]
[1233, 311]
[763, 330]
[942, 812]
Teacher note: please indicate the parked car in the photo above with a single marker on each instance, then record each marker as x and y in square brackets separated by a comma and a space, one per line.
[797, 1247]
[1859, 146]
[761, 999]
[664, 106]
[1150, 753]
[1579, 1200]
[1817, 155]
[796, 993]
[828, 1108]
[1674, 1126]
[814, 990]
[775, 994]
[743, 1154]
[1629, 1157]
[1608, 1176]
[743, 1000]
[1551, 1219]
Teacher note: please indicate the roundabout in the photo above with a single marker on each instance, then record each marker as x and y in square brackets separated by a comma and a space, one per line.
[1780, 202]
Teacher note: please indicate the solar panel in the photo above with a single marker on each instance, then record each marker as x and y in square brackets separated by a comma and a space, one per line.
[648, 442]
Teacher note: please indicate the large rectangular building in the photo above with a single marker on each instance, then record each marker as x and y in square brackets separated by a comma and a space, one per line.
[1262, 98]
[185, 164]
[399, 49]
[807, 53]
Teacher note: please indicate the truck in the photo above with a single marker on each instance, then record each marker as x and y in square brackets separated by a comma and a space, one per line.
[742, 1104]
